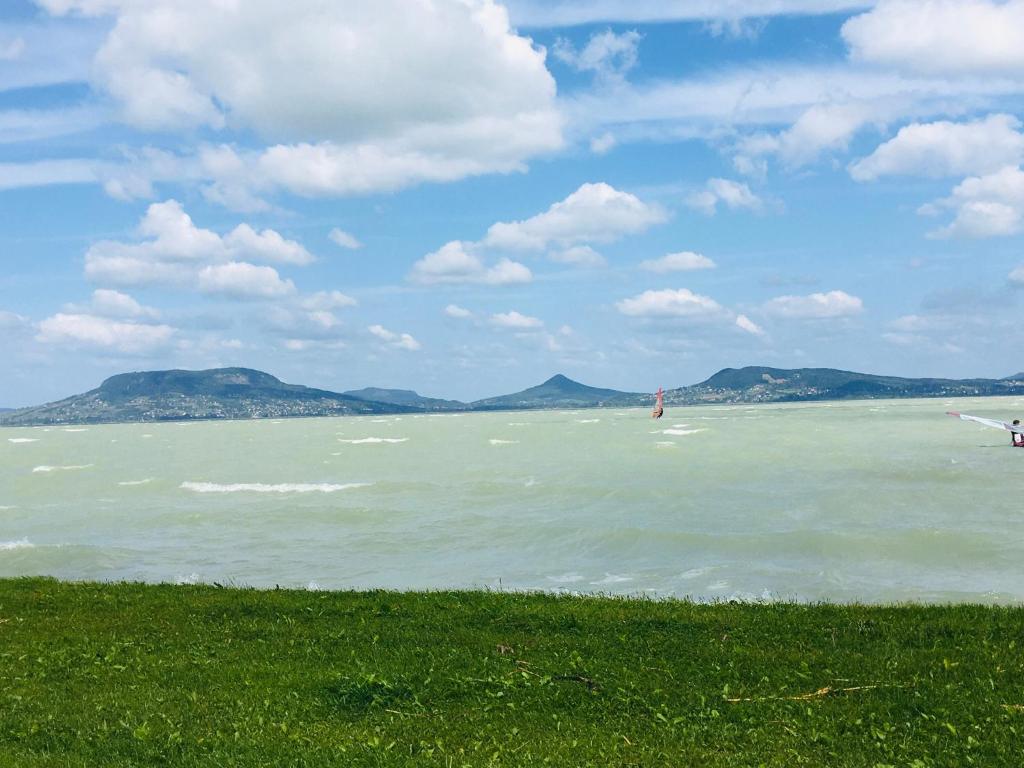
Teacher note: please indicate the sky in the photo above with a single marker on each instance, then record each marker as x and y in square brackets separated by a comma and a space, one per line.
[465, 197]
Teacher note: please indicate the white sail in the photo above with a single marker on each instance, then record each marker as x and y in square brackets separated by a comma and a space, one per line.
[1019, 428]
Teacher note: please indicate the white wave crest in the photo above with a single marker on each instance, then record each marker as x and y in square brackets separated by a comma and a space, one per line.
[69, 429]
[375, 440]
[7, 546]
[45, 468]
[587, 421]
[613, 578]
[682, 431]
[136, 482]
[666, 444]
[7, 509]
[496, 441]
[265, 488]
[19, 440]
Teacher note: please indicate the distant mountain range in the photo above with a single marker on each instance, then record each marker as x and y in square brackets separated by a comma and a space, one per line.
[242, 393]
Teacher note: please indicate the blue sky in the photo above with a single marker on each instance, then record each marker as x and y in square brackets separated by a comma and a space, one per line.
[465, 197]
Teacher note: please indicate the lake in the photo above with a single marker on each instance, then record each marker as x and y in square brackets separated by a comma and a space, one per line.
[873, 501]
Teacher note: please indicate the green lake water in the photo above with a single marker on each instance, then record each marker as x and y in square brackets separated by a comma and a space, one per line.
[869, 501]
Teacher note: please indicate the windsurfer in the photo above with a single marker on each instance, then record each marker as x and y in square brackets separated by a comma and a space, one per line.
[659, 405]
[1018, 437]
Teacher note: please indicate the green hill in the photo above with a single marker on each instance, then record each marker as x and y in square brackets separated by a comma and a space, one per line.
[561, 392]
[406, 397]
[222, 393]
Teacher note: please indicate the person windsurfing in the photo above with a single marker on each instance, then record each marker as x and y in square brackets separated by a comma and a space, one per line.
[659, 405]
[1016, 428]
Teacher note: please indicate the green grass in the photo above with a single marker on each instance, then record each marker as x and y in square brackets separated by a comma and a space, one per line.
[133, 675]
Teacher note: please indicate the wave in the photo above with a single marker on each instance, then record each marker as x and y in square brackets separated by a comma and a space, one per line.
[613, 578]
[587, 421]
[136, 482]
[18, 440]
[75, 430]
[496, 441]
[681, 431]
[6, 509]
[265, 488]
[70, 468]
[666, 444]
[375, 440]
[7, 546]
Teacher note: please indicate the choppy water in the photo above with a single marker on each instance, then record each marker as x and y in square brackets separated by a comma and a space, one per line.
[870, 501]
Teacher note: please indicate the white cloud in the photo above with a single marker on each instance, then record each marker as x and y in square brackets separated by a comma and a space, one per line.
[460, 313]
[47, 172]
[607, 54]
[570, 13]
[327, 301]
[941, 36]
[396, 340]
[594, 213]
[268, 245]
[241, 280]
[175, 250]
[683, 261]
[104, 333]
[580, 256]
[946, 149]
[455, 263]
[516, 321]
[670, 303]
[374, 118]
[832, 304]
[343, 239]
[113, 304]
[821, 128]
[733, 194]
[986, 206]
[601, 145]
[1017, 276]
[744, 323]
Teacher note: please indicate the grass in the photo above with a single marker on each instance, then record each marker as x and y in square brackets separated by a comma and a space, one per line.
[136, 675]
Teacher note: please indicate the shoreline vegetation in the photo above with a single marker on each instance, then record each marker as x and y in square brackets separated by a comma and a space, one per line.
[128, 674]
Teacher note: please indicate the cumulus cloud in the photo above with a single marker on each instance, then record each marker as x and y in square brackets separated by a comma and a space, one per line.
[580, 256]
[945, 148]
[174, 251]
[343, 239]
[683, 261]
[744, 323]
[670, 303]
[832, 304]
[821, 128]
[733, 194]
[985, 206]
[113, 304]
[516, 321]
[594, 213]
[396, 340]
[941, 36]
[327, 301]
[244, 281]
[459, 313]
[105, 333]
[455, 263]
[374, 118]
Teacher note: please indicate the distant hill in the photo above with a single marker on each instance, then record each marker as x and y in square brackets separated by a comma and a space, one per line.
[561, 392]
[242, 393]
[223, 393]
[406, 397]
[759, 385]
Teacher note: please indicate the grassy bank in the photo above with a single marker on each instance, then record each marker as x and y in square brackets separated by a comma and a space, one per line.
[128, 675]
